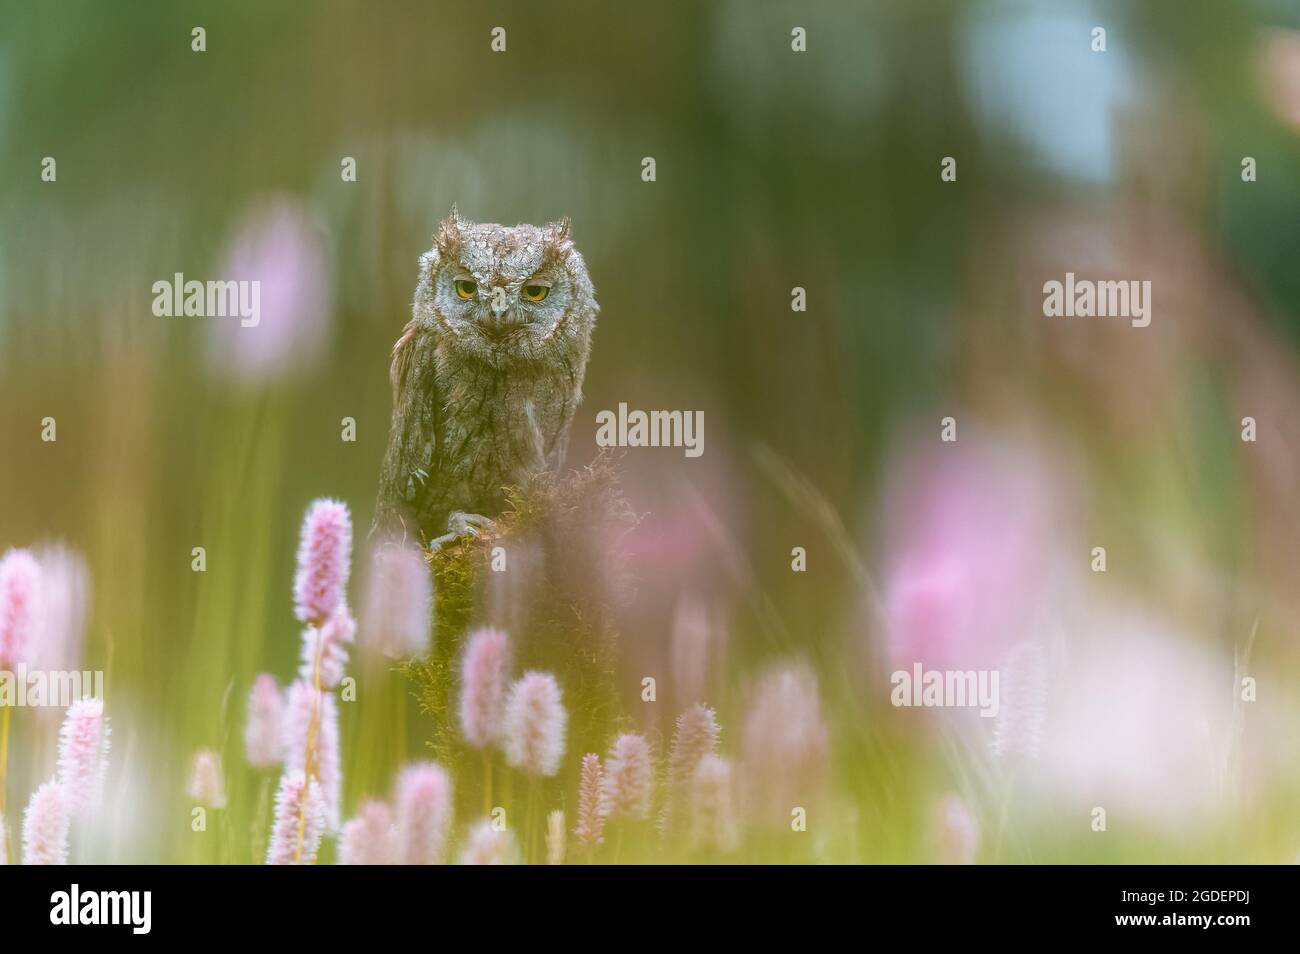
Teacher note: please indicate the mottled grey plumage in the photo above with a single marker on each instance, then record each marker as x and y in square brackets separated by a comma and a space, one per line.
[485, 379]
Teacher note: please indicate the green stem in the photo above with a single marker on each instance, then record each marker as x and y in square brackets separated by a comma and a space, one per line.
[309, 767]
[530, 856]
[4, 754]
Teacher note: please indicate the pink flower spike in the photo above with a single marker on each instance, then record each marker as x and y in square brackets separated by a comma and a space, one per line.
[304, 703]
[591, 823]
[396, 611]
[65, 603]
[280, 243]
[324, 556]
[207, 785]
[45, 827]
[695, 736]
[713, 804]
[264, 733]
[786, 742]
[626, 789]
[483, 687]
[4, 842]
[370, 838]
[699, 637]
[423, 805]
[83, 755]
[20, 607]
[300, 707]
[299, 821]
[325, 646]
[534, 724]
[487, 846]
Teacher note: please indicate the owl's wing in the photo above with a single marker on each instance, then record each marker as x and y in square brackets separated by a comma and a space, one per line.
[403, 349]
[409, 460]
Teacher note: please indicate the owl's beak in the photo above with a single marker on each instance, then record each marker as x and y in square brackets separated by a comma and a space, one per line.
[500, 324]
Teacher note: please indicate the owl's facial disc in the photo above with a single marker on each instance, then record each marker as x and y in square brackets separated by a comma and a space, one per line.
[498, 293]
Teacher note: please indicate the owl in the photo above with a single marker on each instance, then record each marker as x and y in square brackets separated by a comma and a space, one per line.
[486, 375]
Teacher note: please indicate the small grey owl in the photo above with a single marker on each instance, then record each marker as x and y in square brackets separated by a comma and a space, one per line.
[486, 375]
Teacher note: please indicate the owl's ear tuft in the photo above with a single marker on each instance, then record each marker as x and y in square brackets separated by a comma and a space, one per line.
[447, 238]
[560, 231]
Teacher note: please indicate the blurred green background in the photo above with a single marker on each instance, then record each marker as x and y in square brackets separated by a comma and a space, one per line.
[775, 169]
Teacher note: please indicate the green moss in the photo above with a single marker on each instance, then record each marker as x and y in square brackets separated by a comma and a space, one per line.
[563, 581]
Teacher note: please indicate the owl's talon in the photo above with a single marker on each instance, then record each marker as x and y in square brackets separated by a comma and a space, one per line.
[470, 524]
[461, 524]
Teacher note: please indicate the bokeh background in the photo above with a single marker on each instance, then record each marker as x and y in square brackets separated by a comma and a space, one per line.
[775, 169]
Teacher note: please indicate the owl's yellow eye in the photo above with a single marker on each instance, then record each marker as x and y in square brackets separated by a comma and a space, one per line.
[466, 288]
[536, 292]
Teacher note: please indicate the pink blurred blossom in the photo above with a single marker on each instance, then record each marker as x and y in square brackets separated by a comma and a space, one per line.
[1142, 723]
[304, 705]
[534, 724]
[21, 618]
[786, 744]
[280, 245]
[301, 710]
[483, 687]
[591, 823]
[699, 639]
[486, 846]
[370, 838]
[973, 534]
[694, 736]
[424, 813]
[329, 762]
[45, 827]
[324, 556]
[207, 782]
[299, 821]
[83, 755]
[65, 598]
[264, 733]
[628, 783]
[398, 602]
[325, 649]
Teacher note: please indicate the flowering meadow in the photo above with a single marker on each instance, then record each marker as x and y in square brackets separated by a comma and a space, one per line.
[984, 543]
